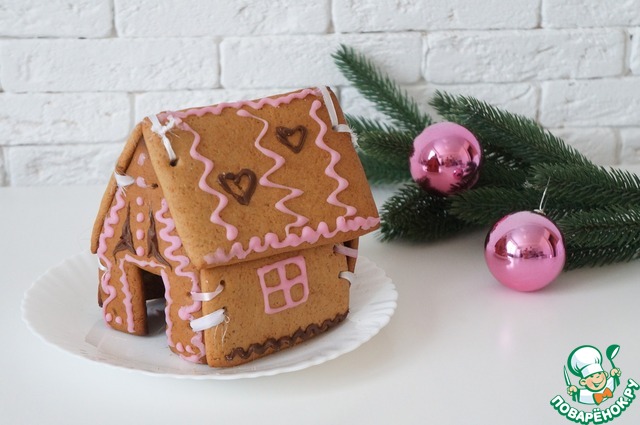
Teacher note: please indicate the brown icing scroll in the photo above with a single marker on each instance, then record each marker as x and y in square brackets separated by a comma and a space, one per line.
[126, 238]
[152, 241]
[286, 341]
[283, 134]
[241, 193]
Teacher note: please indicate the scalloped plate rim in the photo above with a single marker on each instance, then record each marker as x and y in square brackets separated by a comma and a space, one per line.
[370, 318]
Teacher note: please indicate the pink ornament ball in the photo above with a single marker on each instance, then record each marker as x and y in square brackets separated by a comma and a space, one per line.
[525, 251]
[446, 158]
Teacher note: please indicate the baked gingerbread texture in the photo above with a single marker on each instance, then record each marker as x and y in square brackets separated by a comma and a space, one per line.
[244, 217]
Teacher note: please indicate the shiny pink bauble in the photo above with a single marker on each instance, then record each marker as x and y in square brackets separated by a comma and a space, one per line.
[445, 159]
[525, 251]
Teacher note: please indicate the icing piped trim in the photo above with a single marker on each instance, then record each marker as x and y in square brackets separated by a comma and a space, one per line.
[217, 109]
[126, 289]
[101, 266]
[331, 109]
[108, 232]
[123, 180]
[308, 235]
[335, 158]
[179, 116]
[231, 230]
[264, 181]
[345, 250]
[166, 234]
[162, 130]
[333, 115]
[207, 296]
[351, 277]
[208, 321]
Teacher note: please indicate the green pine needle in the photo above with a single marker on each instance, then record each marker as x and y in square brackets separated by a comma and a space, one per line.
[497, 174]
[380, 172]
[415, 215]
[584, 187]
[484, 206]
[603, 227]
[381, 90]
[597, 209]
[392, 148]
[507, 135]
[362, 125]
[595, 257]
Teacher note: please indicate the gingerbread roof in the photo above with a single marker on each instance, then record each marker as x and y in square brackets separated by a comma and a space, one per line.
[247, 179]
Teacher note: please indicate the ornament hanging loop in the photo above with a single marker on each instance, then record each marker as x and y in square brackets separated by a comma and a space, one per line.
[543, 199]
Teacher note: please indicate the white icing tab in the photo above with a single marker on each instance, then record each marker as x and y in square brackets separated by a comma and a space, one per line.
[162, 130]
[102, 266]
[123, 180]
[333, 115]
[208, 321]
[206, 296]
[328, 101]
[345, 250]
[351, 277]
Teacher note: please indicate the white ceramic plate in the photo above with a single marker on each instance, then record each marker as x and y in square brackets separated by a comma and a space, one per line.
[61, 307]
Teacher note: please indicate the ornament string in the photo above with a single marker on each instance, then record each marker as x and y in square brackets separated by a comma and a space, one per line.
[543, 199]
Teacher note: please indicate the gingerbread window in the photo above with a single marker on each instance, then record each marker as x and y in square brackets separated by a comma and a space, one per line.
[284, 284]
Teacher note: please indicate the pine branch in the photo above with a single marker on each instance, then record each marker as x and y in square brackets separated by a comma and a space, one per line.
[585, 186]
[484, 206]
[614, 226]
[511, 136]
[597, 209]
[500, 175]
[362, 125]
[381, 90]
[392, 148]
[379, 172]
[415, 215]
[578, 257]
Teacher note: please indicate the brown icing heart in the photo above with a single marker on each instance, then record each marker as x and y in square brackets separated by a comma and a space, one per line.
[241, 193]
[284, 136]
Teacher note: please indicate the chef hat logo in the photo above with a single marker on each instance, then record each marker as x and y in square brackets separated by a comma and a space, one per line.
[585, 360]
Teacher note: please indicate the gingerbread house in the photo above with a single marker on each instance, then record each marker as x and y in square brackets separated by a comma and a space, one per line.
[243, 216]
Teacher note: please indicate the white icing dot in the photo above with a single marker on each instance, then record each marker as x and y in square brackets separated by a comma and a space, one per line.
[108, 317]
[179, 347]
[140, 234]
[140, 251]
[139, 201]
[140, 217]
[119, 320]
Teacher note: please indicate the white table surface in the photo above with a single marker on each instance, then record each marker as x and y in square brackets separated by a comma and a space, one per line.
[461, 349]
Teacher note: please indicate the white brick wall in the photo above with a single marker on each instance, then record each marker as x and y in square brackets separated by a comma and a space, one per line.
[75, 75]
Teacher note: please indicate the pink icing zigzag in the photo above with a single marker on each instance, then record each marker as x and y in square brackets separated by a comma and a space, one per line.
[185, 312]
[264, 181]
[127, 297]
[308, 234]
[167, 308]
[107, 233]
[231, 231]
[335, 158]
[217, 109]
[125, 285]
